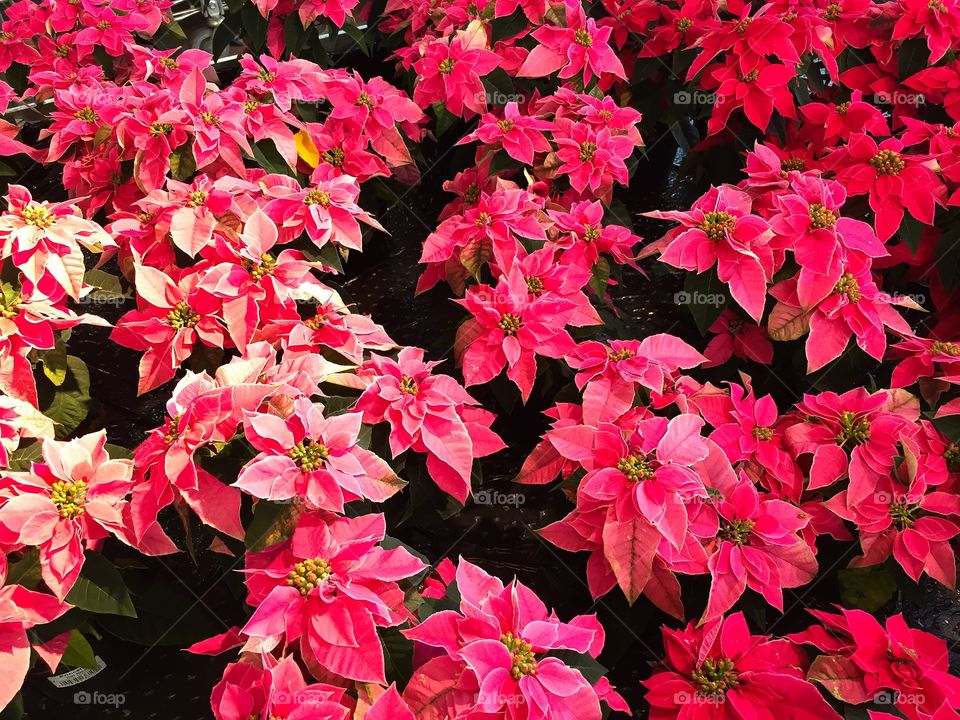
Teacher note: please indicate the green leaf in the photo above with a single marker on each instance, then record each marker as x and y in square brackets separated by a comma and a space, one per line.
[445, 118]
[293, 33]
[868, 588]
[397, 655]
[705, 297]
[358, 36]
[601, 277]
[254, 25]
[270, 159]
[26, 570]
[70, 402]
[272, 523]
[107, 284]
[588, 666]
[100, 589]
[22, 457]
[79, 654]
[174, 27]
[182, 163]
[910, 231]
[54, 363]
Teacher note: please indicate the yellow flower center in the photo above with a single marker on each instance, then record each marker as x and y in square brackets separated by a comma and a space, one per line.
[317, 197]
[87, 115]
[335, 156]
[635, 467]
[38, 216]
[888, 162]
[583, 38]
[510, 323]
[737, 531]
[309, 455]
[308, 574]
[69, 497]
[716, 225]
[848, 285]
[821, 217]
[182, 316]
[715, 677]
[408, 386]
[446, 66]
[853, 428]
[524, 661]
[587, 151]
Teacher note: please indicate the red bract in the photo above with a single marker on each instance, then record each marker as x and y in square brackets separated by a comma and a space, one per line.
[449, 71]
[330, 587]
[873, 659]
[894, 181]
[719, 671]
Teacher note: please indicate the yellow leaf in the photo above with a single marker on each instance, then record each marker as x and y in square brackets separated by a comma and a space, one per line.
[306, 149]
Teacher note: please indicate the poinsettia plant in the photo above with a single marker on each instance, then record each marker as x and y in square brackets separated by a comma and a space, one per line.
[693, 265]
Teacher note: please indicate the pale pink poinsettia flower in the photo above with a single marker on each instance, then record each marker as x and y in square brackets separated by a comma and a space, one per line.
[313, 457]
[19, 420]
[429, 413]
[592, 158]
[66, 504]
[609, 373]
[546, 274]
[44, 241]
[758, 546]
[20, 610]
[510, 329]
[173, 315]
[502, 634]
[327, 212]
[330, 587]
[193, 211]
[719, 230]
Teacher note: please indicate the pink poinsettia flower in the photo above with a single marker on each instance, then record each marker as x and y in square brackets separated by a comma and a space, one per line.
[719, 671]
[904, 519]
[923, 358]
[335, 327]
[449, 71]
[520, 135]
[758, 546]
[44, 241]
[330, 587]
[428, 413]
[579, 47]
[609, 373]
[67, 503]
[856, 422]
[876, 659]
[247, 691]
[810, 223]
[173, 315]
[546, 274]
[854, 308]
[647, 474]
[217, 124]
[488, 229]
[735, 337]
[592, 158]
[313, 457]
[510, 327]
[327, 211]
[584, 237]
[501, 633]
[720, 230]
[343, 149]
[893, 180]
[102, 27]
[20, 610]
